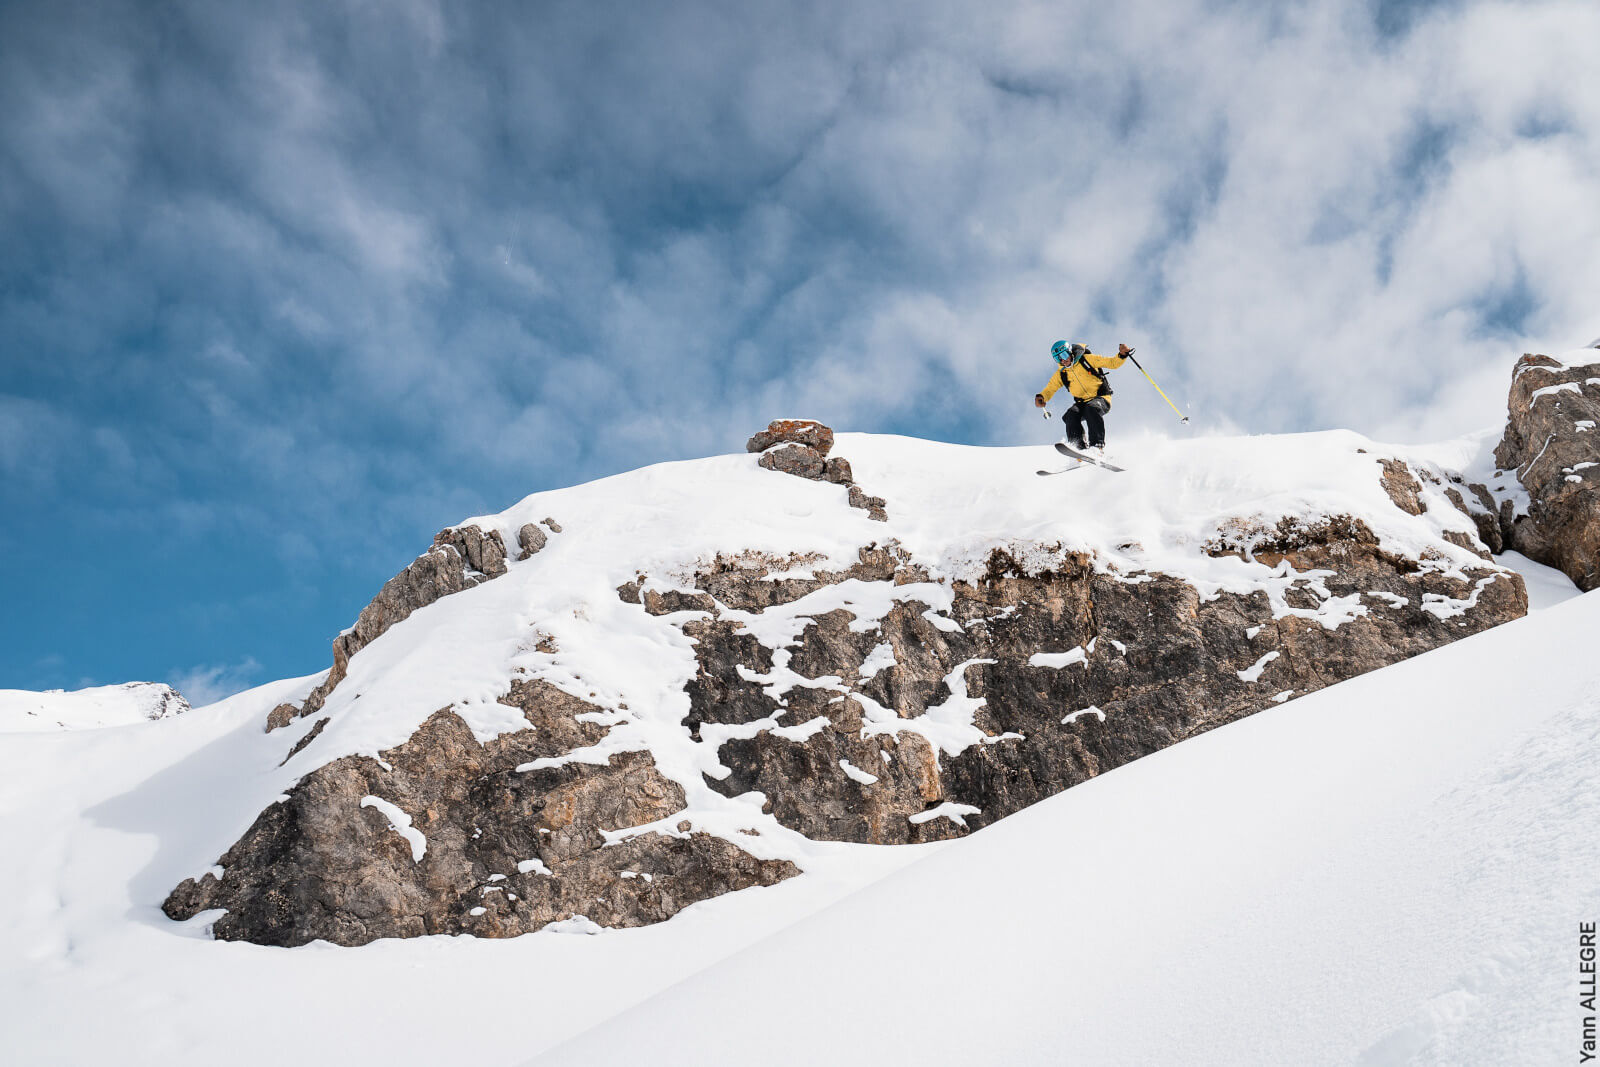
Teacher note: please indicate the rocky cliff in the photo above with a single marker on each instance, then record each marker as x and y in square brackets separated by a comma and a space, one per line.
[706, 666]
[1552, 445]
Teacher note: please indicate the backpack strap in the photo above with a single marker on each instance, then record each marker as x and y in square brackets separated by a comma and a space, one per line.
[1105, 385]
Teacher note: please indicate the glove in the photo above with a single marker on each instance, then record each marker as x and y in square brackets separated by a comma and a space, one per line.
[1124, 350]
[1038, 400]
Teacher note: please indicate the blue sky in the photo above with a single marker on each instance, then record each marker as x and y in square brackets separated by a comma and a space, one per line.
[285, 289]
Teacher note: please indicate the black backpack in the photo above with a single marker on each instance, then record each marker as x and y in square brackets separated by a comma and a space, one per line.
[1105, 378]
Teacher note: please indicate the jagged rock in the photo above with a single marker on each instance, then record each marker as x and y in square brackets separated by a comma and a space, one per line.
[873, 505]
[1402, 487]
[805, 432]
[1135, 687]
[281, 716]
[675, 600]
[459, 559]
[531, 538]
[798, 460]
[554, 715]
[742, 581]
[554, 526]
[311, 735]
[485, 553]
[479, 846]
[1485, 516]
[1552, 442]
[837, 470]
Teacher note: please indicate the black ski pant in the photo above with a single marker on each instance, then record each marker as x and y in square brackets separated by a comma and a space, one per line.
[1092, 413]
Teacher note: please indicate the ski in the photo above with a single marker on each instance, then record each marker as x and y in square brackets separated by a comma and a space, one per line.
[1065, 451]
[1063, 470]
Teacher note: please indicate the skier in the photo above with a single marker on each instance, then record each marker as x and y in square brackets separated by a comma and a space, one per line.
[1082, 372]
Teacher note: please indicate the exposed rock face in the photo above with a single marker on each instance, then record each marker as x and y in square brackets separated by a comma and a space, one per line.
[452, 837]
[1402, 487]
[798, 460]
[459, 559]
[1137, 664]
[1492, 519]
[1552, 441]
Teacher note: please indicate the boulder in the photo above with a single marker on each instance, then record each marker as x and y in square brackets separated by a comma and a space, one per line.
[531, 538]
[1552, 442]
[805, 432]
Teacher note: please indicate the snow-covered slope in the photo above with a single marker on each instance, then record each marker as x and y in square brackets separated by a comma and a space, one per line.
[23, 710]
[1390, 871]
[1397, 863]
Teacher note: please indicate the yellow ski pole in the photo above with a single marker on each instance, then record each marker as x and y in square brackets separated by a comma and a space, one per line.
[1181, 416]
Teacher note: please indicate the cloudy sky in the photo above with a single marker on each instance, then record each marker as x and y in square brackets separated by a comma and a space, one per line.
[286, 288]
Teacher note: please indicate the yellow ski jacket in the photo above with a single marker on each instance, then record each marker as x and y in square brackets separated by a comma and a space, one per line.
[1080, 381]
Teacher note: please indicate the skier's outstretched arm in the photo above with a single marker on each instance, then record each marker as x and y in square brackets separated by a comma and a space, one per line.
[1111, 362]
[1042, 397]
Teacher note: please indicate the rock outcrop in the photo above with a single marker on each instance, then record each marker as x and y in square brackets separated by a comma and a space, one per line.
[1552, 442]
[932, 722]
[444, 835]
[800, 447]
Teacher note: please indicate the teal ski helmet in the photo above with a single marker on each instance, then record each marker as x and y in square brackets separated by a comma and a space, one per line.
[1058, 351]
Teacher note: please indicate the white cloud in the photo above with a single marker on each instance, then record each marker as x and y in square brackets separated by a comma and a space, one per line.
[515, 253]
[202, 685]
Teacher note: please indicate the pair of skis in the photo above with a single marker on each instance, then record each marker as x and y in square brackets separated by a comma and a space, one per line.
[1081, 460]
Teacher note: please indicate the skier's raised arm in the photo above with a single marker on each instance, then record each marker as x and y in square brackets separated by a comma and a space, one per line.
[1110, 362]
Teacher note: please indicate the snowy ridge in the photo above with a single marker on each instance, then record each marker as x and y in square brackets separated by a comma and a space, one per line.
[557, 616]
[88, 709]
